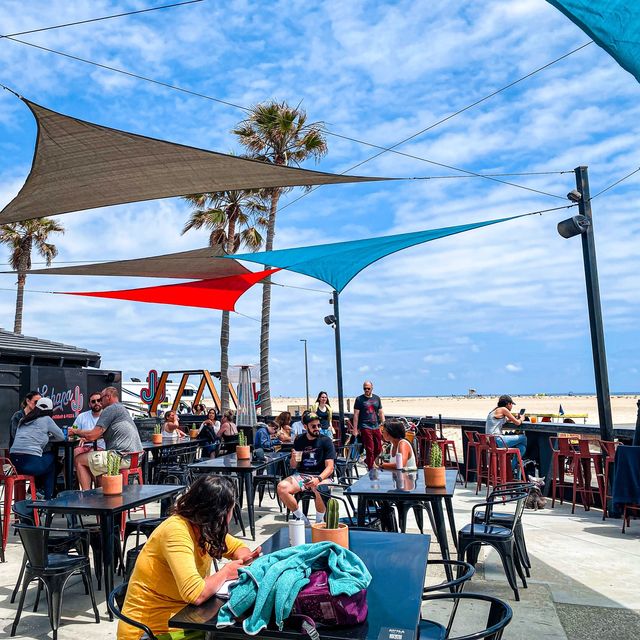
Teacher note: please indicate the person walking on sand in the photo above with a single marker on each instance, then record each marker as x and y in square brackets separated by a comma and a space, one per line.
[367, 418]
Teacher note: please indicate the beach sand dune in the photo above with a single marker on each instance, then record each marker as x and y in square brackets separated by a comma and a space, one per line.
[624, 408]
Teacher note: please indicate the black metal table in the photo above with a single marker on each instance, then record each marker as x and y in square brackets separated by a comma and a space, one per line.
[398, 565]
[244, 469]
[68, 447]
[399, 486]
[94, 502]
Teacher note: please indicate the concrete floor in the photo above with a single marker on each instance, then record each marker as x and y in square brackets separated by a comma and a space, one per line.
[584, 581]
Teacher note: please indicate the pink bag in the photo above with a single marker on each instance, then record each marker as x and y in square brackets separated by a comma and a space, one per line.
[316, 602]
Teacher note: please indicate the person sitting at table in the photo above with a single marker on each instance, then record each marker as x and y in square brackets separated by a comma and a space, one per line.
[209, 432]
[497, 418]
[171, 426]
[28, 449]
[266, 437]
[394, 432]
[312, 461]
[173, 567]
[28, 404]
[119, 431]
[199, 410]
[228, 428]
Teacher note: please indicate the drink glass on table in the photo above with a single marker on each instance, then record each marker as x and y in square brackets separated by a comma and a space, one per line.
[297, 456]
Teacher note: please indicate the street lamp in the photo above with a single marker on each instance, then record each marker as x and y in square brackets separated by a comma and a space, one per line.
[306, 370]
[583, 225]
[333, 320]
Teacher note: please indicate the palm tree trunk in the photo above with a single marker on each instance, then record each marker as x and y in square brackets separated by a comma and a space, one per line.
[265, 390]
[225, 325]
[17, 325]
[224, 361]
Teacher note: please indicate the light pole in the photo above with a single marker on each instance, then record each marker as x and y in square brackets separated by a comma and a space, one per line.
[306, 370]
[583, 225]
[334, 321]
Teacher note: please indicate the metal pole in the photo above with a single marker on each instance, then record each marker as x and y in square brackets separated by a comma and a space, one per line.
[306, 370]
[595, 308]
[336, 313]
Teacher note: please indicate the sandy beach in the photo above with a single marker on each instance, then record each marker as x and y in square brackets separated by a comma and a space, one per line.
[624, 408]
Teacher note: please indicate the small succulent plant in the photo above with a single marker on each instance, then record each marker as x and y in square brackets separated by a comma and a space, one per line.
[242, 439]
[332, 519]
[113, 463]
[157, 429]
[435, 455]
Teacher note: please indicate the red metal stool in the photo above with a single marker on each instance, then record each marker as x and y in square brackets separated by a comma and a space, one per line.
[472, 445]
[500, 462]
[608, 456]
[15, 488]
[626, 516]
[134, 472]
[448, 447]
[482, 461]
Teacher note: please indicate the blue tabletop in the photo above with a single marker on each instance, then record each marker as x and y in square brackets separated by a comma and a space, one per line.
[95, 502]
[400, 485]
[398, 565]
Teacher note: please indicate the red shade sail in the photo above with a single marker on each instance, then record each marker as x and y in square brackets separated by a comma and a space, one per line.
[216, 293]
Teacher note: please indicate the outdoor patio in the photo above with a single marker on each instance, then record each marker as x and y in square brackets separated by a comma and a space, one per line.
[583, 581]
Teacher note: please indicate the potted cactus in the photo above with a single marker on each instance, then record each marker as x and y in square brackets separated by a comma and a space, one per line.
[112, 480]
[243, 450]
[193, 432]
[434, 472]
[156, 437]
[331, 530]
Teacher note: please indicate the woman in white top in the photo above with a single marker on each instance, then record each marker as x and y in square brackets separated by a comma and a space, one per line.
[171, 427]
[402, 455]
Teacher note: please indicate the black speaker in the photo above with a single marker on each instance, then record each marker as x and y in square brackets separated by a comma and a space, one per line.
[573, 226]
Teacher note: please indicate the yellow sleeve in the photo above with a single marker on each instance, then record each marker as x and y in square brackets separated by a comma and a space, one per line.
[233, 544]
[181, 558]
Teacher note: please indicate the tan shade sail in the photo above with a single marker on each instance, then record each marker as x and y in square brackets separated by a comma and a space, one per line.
[79, 165]
[198, 264]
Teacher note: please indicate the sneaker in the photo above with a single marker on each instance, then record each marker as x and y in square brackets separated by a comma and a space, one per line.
[307, 522]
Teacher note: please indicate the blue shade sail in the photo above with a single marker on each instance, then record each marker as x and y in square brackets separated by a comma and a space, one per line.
[612, 24]
[338, 263]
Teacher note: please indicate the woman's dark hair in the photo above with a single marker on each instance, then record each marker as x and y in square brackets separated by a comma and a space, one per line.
[206, 505]
[284, 419]
[28, 397]
[36, 413]
[395, 429]
[326, 394]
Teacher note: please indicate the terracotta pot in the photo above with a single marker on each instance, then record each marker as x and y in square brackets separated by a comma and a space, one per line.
[320, 533]
[435, 477]
[112, 485]
[156, 438]
[193, 433]
[243, 452]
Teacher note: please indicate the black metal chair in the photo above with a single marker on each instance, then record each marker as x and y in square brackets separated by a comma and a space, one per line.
[502, 518]
[498, 617]
[115, 602]
[501, 537]
[347, 463]
[173, 466]
[336, 491]
[23, 510]
[269, 481]
[52, 570]
[464, 572]
[131, 558]
[140, 526]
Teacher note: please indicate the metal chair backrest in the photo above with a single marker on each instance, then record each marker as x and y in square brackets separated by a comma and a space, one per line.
[608, 448]
[24, 510]
[115, 603]
[34, 541]
[514, 496]
[7, 468]
[472, 436]
[483, 439]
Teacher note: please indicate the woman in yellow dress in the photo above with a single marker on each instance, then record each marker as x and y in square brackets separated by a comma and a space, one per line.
[173, 567]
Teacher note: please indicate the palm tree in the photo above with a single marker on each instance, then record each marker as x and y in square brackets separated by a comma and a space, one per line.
[235, 219]
[277, 133]
[22, 237]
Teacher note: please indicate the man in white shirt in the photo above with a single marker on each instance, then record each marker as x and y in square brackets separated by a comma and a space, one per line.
[87, 421]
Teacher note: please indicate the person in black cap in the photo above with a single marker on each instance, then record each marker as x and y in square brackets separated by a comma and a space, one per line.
[498, 417]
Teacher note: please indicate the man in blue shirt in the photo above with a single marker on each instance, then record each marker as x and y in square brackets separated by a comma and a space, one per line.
[265, 437]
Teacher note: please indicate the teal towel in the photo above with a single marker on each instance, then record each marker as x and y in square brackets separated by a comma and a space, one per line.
[271, 583]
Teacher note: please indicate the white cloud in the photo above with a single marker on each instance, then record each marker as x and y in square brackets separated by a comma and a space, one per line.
[513, 368]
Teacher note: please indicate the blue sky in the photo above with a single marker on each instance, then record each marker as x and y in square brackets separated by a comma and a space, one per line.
[500, 309]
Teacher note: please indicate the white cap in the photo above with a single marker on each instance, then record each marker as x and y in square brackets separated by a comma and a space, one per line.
[45, 404]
